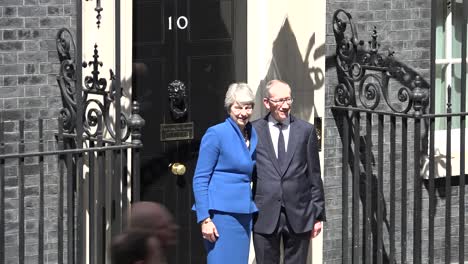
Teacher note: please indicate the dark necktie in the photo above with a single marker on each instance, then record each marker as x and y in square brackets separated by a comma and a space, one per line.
[281, 146]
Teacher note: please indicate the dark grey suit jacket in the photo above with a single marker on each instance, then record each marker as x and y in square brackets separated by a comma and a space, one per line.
[298, 185]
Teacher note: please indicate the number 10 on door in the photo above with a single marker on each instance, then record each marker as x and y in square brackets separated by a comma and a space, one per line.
[181, 22]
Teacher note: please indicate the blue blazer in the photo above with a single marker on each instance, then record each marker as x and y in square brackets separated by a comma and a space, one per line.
[224, 171]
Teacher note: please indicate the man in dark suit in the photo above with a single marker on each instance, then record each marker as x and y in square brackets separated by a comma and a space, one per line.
[288, 188]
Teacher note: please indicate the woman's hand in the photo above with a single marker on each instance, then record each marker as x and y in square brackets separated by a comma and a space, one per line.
[209, 230]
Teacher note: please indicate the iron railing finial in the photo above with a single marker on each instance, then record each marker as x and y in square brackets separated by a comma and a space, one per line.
[136, 123]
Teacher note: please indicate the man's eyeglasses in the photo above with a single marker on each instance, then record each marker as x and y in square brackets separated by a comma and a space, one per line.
[281, 101]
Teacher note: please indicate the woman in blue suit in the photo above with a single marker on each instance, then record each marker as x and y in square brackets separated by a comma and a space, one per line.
[221, 184]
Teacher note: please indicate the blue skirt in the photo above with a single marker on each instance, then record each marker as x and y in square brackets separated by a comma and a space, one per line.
[233, 243]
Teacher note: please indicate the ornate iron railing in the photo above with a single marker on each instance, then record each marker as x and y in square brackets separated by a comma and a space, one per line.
[363, 66]
[93, 129]
[392, 154]
[94, 85]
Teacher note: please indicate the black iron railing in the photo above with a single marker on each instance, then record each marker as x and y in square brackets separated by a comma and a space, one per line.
[391, 195]
[100, 160]
[93, 138]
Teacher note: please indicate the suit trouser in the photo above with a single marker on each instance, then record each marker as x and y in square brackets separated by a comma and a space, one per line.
[267, 246]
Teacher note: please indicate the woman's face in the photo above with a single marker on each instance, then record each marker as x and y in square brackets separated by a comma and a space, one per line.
[241, 113]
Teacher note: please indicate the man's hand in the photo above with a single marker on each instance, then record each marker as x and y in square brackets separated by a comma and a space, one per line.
[209, 230]
[316, 231]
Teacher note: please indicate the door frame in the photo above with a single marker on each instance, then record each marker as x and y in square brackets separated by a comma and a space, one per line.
[262, 23]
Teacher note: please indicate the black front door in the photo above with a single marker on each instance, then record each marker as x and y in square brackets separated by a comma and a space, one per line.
[185, 54]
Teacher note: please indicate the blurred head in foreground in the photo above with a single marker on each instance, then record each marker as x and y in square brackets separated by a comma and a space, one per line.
[156, 219]
[136, 246]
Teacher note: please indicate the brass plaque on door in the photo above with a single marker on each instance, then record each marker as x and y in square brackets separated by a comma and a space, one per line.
[178, 131]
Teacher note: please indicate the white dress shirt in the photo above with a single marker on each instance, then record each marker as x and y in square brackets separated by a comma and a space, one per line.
[274, 132]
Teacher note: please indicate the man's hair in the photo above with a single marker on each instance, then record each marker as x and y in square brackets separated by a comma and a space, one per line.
[266, 93]
[130, 246]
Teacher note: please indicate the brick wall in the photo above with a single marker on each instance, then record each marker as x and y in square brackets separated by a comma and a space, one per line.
[28, 91]
[404, 27]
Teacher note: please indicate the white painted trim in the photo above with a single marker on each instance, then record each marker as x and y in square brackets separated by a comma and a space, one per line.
[279, 35]
[449, 61]
[440, 154]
